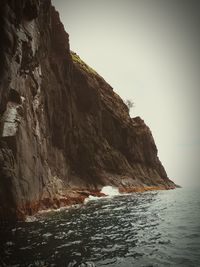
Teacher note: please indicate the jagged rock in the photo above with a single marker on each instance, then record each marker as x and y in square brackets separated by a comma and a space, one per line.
[64, 131]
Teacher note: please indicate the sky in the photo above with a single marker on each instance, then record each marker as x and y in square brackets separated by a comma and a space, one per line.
[149, 52]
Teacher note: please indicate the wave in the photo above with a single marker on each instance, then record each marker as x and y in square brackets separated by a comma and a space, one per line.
[108, 191]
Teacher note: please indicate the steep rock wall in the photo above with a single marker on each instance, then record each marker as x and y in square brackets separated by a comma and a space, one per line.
[64, 132]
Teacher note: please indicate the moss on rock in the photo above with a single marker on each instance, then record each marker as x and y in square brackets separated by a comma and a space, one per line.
[77, 60]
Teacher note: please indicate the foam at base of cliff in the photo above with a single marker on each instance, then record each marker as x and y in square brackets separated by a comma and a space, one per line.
[110, 191]
[106, 192]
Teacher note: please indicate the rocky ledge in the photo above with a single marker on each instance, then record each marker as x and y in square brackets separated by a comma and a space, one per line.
[64, 132]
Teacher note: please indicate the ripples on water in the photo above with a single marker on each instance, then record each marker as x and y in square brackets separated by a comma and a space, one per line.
[143, 229]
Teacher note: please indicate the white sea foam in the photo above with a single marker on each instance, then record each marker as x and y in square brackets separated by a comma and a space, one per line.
[52, 210]
[110, 191]
[90, 198]
[30, 219]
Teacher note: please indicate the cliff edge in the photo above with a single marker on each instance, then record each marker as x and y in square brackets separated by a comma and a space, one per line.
[64, 132]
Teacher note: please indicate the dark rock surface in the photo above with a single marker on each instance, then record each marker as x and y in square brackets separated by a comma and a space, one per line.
[64, 132]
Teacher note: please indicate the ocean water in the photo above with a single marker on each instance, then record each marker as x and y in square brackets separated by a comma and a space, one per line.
[158, 228]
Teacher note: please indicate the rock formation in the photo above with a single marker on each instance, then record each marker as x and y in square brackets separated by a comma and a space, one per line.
[64, 132]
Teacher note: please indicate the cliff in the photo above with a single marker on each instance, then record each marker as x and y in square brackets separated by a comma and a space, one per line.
[64, 132]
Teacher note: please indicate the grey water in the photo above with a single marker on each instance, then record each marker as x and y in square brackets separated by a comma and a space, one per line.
[157, 228]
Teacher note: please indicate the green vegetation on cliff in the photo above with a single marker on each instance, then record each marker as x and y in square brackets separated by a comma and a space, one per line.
[76, 59]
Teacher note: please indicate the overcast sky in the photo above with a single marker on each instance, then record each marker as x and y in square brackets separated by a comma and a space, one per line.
[148, 51]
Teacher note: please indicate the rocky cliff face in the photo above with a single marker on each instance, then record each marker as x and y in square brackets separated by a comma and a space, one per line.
[64, 132]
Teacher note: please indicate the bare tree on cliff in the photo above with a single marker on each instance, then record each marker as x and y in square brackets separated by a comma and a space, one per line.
[130, 104]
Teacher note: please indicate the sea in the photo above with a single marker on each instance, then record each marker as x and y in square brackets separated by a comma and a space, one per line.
[150, 229]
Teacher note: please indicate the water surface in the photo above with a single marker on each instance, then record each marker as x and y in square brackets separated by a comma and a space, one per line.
[158, 228]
